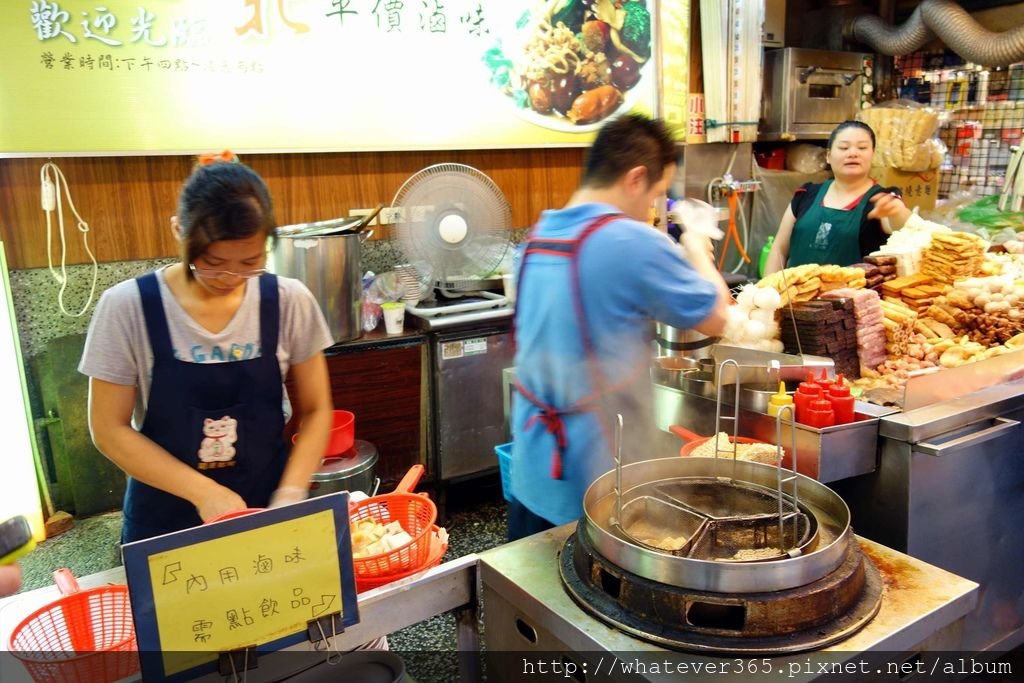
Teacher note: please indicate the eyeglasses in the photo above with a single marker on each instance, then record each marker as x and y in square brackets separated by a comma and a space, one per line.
[212, 274]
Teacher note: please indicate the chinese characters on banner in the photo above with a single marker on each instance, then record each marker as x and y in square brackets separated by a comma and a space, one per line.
[279, 75]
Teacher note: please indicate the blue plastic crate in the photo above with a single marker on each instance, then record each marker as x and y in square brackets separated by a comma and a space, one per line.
[504, 453]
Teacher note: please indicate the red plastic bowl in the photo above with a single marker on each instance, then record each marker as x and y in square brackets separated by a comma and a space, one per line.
[235, 513]
[343, 434]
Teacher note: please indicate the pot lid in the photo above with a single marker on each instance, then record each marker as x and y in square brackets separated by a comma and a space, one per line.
[320, 228]
[356, 460]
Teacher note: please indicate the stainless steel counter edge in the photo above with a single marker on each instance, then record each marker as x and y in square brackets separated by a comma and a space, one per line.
[917, 425]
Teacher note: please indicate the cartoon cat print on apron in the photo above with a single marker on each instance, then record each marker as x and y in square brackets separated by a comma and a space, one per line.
[217, 447]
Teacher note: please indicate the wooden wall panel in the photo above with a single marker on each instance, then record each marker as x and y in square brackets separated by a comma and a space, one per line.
[128, 201]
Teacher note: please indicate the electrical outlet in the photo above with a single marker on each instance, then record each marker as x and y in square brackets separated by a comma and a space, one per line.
[363, 212]
[392, 214]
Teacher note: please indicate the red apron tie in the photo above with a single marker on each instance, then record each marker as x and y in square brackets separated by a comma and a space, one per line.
[553, 423]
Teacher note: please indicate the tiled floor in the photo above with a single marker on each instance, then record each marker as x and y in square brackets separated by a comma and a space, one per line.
[475, 518]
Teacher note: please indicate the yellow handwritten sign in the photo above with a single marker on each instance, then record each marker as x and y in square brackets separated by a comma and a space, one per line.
[248, 588]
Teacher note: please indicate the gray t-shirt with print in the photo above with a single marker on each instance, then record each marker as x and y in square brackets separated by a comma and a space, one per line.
[117, 348]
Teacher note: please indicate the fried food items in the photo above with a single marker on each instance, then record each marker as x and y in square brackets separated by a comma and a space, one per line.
[755, 452]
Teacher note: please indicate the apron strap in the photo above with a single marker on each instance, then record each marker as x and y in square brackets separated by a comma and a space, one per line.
[550, 416]
[270, 314]
[156, 321]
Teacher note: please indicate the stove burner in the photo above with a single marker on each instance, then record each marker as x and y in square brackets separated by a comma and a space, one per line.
[795, 620]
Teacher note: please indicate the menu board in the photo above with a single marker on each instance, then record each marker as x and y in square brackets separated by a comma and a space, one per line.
[259, 580]
[187, 76]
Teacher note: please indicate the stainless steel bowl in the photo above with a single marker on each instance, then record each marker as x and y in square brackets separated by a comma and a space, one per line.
[673, 341]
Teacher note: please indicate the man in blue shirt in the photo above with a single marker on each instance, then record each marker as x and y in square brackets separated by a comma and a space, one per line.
[592, 277]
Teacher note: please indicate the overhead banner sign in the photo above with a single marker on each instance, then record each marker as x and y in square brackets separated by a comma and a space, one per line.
[187, 76]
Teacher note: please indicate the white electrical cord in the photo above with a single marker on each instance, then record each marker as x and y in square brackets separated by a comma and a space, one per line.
[51, 179]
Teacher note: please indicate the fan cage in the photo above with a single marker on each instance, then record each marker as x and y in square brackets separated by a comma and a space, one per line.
[427, 199]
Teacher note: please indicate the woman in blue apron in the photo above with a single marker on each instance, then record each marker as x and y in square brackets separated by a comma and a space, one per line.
[844, 219]
[186, 366]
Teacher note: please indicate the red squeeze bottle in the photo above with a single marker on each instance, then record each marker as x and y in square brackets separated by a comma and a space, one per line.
[819, 413]
[842, 402]
[805, 393]
[824, 382]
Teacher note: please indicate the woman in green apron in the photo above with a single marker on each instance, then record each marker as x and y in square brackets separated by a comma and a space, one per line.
[841, 220]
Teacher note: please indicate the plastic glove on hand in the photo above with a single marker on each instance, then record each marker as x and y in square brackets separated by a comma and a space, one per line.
[286, 495]
[699, 217]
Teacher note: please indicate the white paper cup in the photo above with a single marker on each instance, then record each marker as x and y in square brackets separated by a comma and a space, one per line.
[394, 317]
[508, 283]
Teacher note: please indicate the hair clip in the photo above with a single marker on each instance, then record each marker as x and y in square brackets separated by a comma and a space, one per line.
[214, 157]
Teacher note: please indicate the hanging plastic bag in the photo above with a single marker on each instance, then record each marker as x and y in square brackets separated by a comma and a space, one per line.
[985, 213]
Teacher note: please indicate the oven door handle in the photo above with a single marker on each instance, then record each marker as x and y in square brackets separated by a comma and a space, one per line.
[846, 77]
[1001, 426]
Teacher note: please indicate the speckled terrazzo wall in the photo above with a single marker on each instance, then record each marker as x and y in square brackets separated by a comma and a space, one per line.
[36, 307]
[39, 316]
[40, 319]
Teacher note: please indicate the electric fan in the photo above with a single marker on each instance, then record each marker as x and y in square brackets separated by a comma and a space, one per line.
[454, 227]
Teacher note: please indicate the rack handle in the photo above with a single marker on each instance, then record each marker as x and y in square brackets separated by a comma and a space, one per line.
[684, 433]
[1001, 426]
[411, 478]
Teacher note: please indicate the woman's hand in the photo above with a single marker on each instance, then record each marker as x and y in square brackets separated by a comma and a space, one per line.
[891, 207]
[286, 495]
[10, 579]
[217, 500]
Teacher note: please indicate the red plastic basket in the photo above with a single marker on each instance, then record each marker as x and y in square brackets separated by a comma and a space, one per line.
[84, 636]
[415, 512]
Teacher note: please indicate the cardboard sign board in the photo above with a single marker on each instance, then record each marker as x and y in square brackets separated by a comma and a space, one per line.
[261, 582]
[919, 188]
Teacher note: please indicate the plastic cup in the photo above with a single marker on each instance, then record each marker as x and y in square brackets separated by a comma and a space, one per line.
[394, 317]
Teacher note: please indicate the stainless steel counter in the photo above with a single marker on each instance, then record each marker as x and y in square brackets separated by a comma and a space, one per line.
[529, 618]
[949, 490]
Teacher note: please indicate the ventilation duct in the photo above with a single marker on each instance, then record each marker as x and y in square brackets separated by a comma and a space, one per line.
[948, 21]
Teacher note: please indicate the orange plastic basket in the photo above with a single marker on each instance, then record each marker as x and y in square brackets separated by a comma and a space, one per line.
[84, 636]
[438, 547]
[415, 512]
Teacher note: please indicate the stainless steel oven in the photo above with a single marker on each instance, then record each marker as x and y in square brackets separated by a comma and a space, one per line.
[808, 92]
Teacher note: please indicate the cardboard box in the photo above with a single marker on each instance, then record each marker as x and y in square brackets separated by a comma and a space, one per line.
[920, 188]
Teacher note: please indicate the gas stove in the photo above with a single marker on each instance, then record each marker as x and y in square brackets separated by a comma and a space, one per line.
[530, 620]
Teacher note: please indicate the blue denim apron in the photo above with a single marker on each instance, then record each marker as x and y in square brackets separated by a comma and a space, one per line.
[224, 419]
